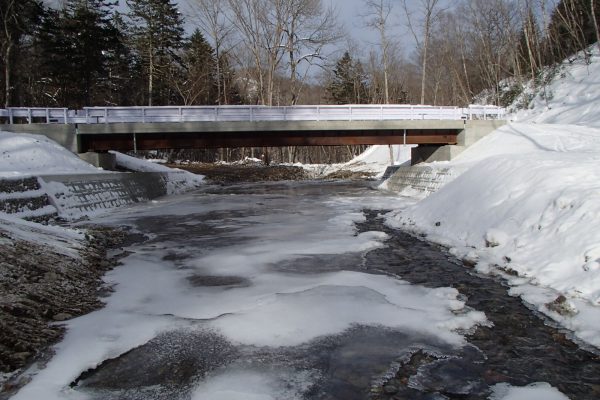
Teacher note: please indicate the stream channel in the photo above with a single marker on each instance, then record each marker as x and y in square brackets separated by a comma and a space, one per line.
[300, 291]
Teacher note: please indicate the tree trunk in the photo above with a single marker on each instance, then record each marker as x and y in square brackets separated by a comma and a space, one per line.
[593, 9]
[7, 73]
[150, 78]
[424, 74]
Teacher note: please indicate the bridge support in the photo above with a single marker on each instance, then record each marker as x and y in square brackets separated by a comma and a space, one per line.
[474, 130]
[63, 134]
[106, 161]
[433, 153]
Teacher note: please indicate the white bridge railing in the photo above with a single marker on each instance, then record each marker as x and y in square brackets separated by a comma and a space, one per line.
[101, 115]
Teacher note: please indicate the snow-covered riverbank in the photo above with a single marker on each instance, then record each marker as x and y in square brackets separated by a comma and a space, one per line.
[528, 202]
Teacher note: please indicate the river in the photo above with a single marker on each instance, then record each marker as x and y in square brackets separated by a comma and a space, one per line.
[300, 291]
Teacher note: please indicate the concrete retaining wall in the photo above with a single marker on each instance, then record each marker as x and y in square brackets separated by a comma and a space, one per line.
[24, 198]
[419, 180]
[62, 134]
[77, 196]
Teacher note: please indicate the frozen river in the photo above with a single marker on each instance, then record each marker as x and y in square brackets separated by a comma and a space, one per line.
[298, 290]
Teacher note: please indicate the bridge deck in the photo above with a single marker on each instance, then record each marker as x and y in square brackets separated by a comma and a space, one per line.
[145, 136]
[128, 128]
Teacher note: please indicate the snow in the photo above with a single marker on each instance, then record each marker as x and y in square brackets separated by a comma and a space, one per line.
[374, 160]
[63, 240]
[535, 391]
[529, 201]
[277, 308]
[251, 385]
[571, 97]
[178, 181]
[27, 155]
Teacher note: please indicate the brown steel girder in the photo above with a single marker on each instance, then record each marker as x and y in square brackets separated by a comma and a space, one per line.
[195, 140]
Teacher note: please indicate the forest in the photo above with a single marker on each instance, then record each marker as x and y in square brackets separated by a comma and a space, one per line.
[281, 52]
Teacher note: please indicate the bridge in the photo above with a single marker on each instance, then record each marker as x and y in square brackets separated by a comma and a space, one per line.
[98, 129]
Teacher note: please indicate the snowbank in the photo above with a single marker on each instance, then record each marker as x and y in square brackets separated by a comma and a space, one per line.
[25, 155]
[178, 182]
[374, 160]
[529, 203]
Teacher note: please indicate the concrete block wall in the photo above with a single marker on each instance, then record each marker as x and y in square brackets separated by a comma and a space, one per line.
[24, 198]
[76, 196]
[419, 180]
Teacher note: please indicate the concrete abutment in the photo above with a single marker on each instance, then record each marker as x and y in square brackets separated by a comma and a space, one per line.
[473, 131]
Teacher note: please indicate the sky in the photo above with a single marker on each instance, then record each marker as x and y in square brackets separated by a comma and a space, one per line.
[349, 15]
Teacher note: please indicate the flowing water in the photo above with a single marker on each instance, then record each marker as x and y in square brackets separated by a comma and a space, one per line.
[300, 291]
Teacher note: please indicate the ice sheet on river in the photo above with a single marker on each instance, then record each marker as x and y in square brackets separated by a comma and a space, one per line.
[234, 287]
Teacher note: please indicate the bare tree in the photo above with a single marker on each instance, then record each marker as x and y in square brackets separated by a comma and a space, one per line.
[430, 13]
[308, 29]
[595, 20]
[14, 20]
[378, 14]
[213, 20]
[260, 28]
[8, 16]
[493, 27]
[283, 35]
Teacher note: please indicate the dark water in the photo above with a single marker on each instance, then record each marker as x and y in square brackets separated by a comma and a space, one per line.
[519, 349]
[363, 362]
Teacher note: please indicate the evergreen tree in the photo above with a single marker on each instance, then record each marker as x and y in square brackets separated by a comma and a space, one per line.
[158, 34]
[124, 82]
[19, 19]
[75, 47]
[230, 93]
[349, 84]
[197, 83]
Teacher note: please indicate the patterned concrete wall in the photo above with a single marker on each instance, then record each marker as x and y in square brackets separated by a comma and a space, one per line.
[76, 196]
[420, 180]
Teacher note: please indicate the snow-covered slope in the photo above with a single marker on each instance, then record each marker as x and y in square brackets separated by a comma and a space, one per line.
[179, 180]
[528, 204]
[25, 154]
[571, 97]
[374, 161]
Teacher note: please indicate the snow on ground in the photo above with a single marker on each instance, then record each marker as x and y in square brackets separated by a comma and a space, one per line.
[535, 391]
[26, 155]
[179, 179]
[571, 97]
[374, 160]
[63, 240]
[528, 202]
